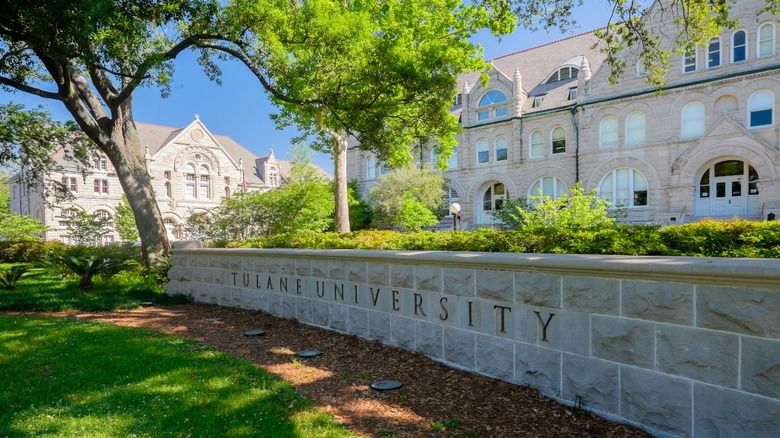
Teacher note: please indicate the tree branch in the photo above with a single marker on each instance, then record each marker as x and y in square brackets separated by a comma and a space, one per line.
[31, 90]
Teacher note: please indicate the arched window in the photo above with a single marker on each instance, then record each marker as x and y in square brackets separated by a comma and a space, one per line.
[547, 186]
[483, 152]
[494, 197]
[641, 69]
[761, 108]
[608, 132]
[500, 149]
[105, 216]
[558, 140]
[738, 46]
[371, 167]
[189, 182]
[713, 53]
[490, 105]
[692, 120]
[171, 228]
[563, 74]
[766, 40]
[204, 185]
[635, 128]
[537, 144]
[624, 187]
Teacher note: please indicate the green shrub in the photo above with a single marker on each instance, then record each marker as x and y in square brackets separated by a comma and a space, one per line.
[87, 268]
[9, 276]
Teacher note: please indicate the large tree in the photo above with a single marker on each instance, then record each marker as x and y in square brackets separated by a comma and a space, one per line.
[91, 56]
[380, 72]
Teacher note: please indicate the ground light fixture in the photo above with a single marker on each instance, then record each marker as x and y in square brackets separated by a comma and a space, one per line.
[309, 353]
[213, 319]
[386, 385]
[455, 210]
[256, 332]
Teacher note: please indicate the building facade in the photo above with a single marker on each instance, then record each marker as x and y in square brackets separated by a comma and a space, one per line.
[192, 171]
[706, 146]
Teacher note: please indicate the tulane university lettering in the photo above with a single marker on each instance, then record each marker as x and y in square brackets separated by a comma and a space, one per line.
[339, 292]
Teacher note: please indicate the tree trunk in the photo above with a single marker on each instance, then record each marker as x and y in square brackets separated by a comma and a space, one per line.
[340, 183]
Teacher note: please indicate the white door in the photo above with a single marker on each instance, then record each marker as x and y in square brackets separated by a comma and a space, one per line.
[729, 196]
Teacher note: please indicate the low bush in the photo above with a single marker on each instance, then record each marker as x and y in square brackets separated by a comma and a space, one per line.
[709, 238]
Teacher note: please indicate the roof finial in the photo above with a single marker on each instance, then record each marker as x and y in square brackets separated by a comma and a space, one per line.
[466, 88]
[197, 117]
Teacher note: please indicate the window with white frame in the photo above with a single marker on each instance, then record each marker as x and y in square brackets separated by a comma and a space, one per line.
[101, 186]
[108, 239]
[692, 120]
[547, 186]
[761, 109]
[104, 215]
[500, 151]
[641, 68]
[558, 140]
[689, 60]
[562, 74]
[451, 196]
[171, 228]
[624, 187]
[494, 197]
[66, 214]
[189, 182]
[739, 46]
[572, 93]
[99, 163]
[635, 128]
[483, 152]
[608, 132]
[71, 183]
[452, 162]
[538, 101]
[537, 144]
[713, 53]
[766, 40]
[491, 105]
[371, 167]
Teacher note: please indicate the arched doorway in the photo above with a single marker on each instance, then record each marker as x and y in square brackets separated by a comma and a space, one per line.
[492, 198]
[728, 188]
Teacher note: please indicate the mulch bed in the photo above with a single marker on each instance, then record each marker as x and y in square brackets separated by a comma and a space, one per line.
[465, 404]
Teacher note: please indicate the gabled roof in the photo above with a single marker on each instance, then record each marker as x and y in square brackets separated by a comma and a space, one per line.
[536, 64]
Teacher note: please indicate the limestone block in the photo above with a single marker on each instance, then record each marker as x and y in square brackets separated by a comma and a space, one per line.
[357, 321]
[302, 267]
[723, 412]
[401, 276]
[260, 265]
[427, 278]
[495, 357]
[337, 270]
[698, 354]
[235, 263]
[749, 311]
[538, 368]
[428, 339]
[208, 276]
[319, 269]
[197, 275]
[446, 308]
[538, 289]
[219, 276]
[656, 400]
[459, 347]
[526, 325]
[418, 304]
[274, 266]
[356, 272]
[591, 382]
[338, 314]
[320, 313]
[378, 274]
[178, 273]
[658, 301]
[379, 326]
[566, 331]
[187, 244]
[303, 310]
[287, 266]
[761, 366]
[274, 304]
[458, 281]
[236, 297]
[379, 297]
[215, 262]
[252, 299]
[288, 306]
[495, 285]
[623, 340]
[592, 295]
[179, 260]
[174, 287]
[402, 332]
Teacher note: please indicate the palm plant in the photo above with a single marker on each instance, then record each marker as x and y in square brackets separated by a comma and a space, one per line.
[87, 268]
[10, 276]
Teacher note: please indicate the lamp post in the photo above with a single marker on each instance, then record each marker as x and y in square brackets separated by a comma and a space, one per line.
[455, 210]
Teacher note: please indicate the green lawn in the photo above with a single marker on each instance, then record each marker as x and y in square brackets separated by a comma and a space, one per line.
[67, 377]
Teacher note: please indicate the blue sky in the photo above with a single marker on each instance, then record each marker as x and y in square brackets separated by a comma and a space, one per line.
[239, 108]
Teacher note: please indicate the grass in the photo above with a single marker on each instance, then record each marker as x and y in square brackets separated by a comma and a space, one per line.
[45, 292]
[68, 377]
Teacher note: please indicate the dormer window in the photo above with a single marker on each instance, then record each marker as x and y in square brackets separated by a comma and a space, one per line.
[563, 73]
[538, 101]
[459, 99]
[490, 105]
[572, 93]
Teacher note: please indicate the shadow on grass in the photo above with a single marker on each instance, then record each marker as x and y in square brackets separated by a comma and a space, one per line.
[75, 378]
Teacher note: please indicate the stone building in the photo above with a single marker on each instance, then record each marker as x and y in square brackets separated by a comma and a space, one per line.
[707, 146]
[192, 170]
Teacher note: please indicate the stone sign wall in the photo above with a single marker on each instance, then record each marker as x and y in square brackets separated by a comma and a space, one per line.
[681, 346]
